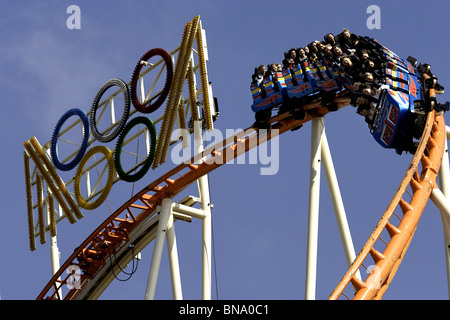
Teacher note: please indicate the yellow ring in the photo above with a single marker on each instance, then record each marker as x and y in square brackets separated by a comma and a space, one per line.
[111, 171]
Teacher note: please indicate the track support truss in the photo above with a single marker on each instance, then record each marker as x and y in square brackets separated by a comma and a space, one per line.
[321, 155]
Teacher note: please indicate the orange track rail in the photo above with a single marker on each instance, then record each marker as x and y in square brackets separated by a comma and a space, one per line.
[428, 155]
[113, 235]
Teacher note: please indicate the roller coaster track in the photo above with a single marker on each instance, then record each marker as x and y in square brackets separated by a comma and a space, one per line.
[131, 227]
[428, 155]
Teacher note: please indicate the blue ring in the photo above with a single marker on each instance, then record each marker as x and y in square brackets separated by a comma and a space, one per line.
[72, 164]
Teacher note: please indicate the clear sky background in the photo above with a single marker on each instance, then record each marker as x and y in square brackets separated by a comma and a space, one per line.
[260, 222]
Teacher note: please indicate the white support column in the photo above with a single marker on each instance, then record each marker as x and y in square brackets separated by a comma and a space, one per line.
[444, 182]
[317, 127]
[338, 204]
[141, 83]
[54, 254]
[164, 216]
[112, 110]
[206, 237]
[203, 190]
[442, 202]
[54, 251]
[173, 260]
[55, 258]
[205, 198]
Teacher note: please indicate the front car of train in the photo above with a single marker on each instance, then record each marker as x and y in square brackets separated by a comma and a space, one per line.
[408, 94]
[397, 123]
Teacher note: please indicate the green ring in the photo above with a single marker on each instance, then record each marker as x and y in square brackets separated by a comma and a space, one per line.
[151, 155]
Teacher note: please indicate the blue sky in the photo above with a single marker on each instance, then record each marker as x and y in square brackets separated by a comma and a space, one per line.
[260, 222]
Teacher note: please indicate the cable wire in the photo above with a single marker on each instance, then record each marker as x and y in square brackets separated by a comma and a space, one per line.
[133, 268]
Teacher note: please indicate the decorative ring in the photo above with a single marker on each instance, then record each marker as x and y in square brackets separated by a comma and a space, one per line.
[151, 154]
[84, 144]
[149, 108]
[113, 133]
[104, 194]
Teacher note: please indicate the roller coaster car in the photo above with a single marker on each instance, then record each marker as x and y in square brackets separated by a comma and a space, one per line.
[400, 116]
[392, 127]
[269, 93]
[323, 77]
[299, 81]
[291, 88]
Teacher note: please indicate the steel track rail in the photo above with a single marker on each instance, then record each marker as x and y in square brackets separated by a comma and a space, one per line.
[114, 235]
[428, 156]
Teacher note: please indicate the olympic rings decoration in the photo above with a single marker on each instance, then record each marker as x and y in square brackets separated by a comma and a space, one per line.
[89, 125]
